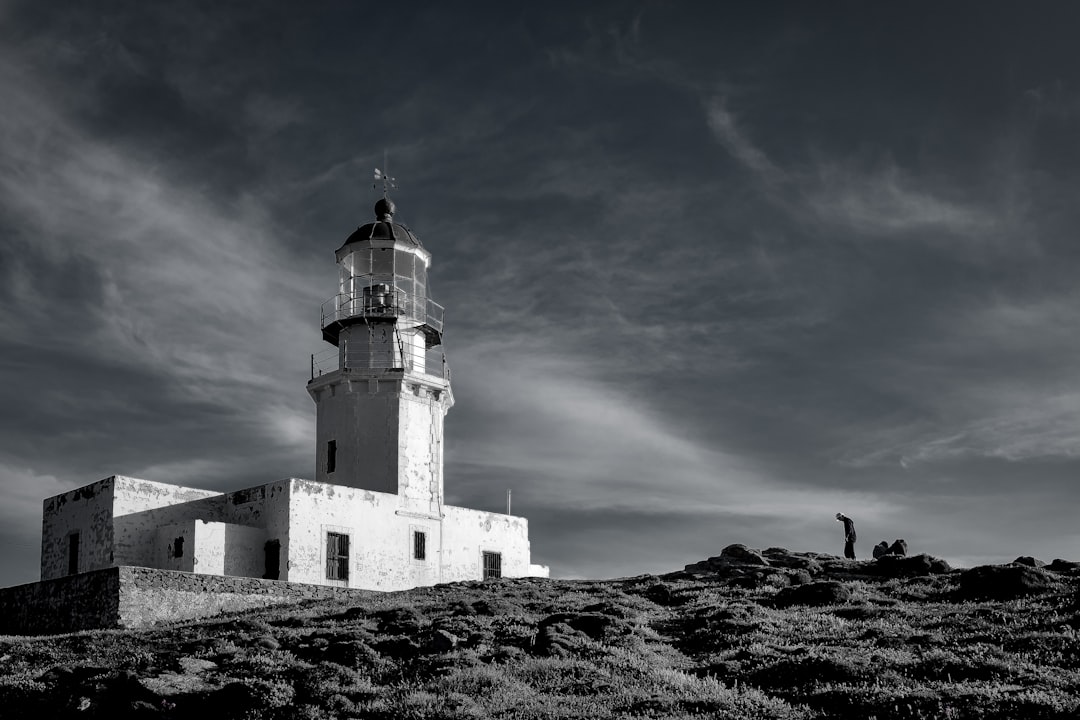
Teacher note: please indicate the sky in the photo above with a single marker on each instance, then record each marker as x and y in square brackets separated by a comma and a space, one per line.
[712, 272]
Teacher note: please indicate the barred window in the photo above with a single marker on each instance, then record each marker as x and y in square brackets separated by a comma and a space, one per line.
[419, 545]
[337, 556]
[492, 565]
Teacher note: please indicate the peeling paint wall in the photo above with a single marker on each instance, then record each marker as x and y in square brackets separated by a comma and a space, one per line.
[359, 412]
[141, 507]
[170, 537]
[420, 445]
[381, 539]
[368, 519]
[86, 512]
[468, 533]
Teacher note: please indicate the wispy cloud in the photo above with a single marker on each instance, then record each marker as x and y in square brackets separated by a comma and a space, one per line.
[885, 200]
[727, 131]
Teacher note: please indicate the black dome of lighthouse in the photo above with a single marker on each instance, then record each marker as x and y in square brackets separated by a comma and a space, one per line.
[384, 228]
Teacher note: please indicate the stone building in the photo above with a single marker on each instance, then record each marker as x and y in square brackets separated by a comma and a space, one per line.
[373, 517]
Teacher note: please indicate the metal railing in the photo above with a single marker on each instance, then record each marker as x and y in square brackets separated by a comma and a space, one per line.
[383, 300]
[328, 361]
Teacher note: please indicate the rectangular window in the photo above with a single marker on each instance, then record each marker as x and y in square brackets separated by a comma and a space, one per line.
[419, 545]
[73, 553]
[337, 556]
[178, 547]
[331, 456]
[492, 565]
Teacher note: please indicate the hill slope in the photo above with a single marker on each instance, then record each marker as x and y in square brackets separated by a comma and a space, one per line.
[743, 635]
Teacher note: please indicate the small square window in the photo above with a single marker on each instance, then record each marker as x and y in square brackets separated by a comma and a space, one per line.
[492, 565]
[419, 545]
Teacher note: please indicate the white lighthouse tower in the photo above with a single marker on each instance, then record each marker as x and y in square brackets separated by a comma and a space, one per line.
[379, 423]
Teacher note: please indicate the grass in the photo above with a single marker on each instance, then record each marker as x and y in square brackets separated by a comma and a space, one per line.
[701, 645]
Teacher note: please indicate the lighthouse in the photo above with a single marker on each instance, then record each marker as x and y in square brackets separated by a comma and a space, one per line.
[379, 414]
[374, 516]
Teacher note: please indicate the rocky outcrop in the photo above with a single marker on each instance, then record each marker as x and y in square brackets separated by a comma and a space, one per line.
[739, 553]
[893, 566]
[562, 633]
[1029, 561]
[1005, 582]
[899, 548]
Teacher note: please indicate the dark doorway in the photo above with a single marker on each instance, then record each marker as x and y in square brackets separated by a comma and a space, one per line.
[273, 559]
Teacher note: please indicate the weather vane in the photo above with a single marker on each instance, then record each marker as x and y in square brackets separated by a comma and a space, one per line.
[384, 175]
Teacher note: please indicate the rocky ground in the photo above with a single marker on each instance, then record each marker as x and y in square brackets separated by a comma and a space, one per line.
[746, 634]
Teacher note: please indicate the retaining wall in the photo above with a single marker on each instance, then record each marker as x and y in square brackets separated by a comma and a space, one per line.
[136, 597]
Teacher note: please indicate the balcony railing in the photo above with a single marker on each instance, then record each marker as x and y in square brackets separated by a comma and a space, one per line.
[382, 301]
[328, 361]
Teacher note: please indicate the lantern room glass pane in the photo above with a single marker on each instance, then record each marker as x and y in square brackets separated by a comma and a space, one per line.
[382, 262]
[403, 263]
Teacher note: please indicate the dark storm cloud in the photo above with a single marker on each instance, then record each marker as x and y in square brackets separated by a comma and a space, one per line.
[715, 272]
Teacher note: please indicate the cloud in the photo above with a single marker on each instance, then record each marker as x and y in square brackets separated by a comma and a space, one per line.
[886, 201]
[574, 440]
[882, 200]
[725, 128]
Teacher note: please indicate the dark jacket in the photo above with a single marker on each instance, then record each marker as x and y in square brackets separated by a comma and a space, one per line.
[849, 529]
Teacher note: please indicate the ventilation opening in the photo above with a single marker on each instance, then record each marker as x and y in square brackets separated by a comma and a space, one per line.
[331, 456]
[73, 553]
[178, 547]
[337, 556]
[419, 545]
[492, 565]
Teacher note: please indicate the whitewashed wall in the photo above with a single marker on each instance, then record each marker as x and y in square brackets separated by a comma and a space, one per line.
[468, 533]
[165, 545]
[86, 511]
[381, 539]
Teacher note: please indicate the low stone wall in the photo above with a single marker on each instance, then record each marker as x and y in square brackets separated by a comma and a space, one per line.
[149, 596]
[77, 602]
[136, 597]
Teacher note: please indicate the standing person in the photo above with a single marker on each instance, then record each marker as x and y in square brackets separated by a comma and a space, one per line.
[849, 535]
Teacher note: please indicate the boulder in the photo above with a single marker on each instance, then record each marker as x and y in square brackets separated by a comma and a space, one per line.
[825, 592]
[1063, 566]
[1004, 582]
[561, 633]
[894, 566]
[267, 642]
[899, 547]
[441, 641]
[739, 553]
[781, 557]
[1029, 561]
[882, 548]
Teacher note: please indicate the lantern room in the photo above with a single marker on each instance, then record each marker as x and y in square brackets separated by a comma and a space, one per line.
[383, 277]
